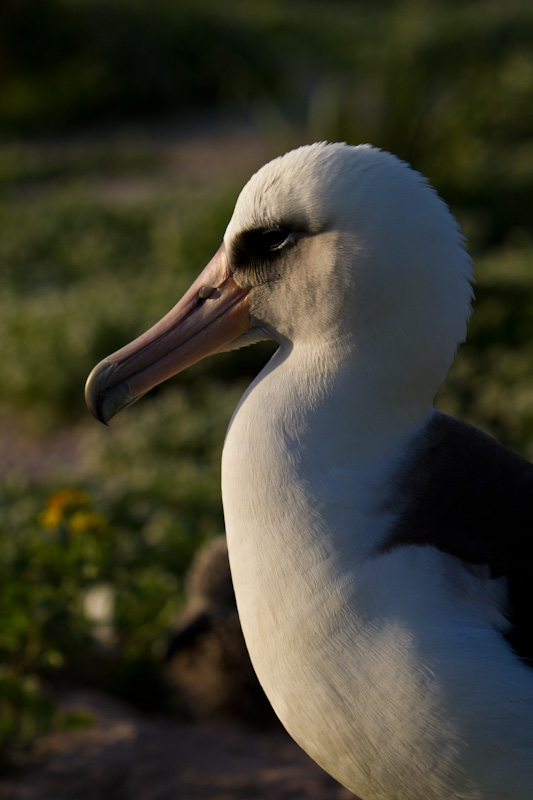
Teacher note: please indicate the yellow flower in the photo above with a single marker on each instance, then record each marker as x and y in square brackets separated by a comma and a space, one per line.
[85, 521]
[72, 508]
[50, 518]
[66, 500]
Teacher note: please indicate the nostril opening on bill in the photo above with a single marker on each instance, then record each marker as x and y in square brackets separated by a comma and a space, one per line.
[203, 294]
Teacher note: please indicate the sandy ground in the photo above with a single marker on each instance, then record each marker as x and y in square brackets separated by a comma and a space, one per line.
[125, 756]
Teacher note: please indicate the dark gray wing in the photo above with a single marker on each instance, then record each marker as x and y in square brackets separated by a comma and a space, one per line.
[466, 494]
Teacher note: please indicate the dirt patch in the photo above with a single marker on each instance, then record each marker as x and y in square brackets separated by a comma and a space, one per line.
[125, 756]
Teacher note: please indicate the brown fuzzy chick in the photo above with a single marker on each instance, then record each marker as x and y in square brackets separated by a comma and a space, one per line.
[208, 663]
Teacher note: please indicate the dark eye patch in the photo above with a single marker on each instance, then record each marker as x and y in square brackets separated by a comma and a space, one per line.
[257, 248]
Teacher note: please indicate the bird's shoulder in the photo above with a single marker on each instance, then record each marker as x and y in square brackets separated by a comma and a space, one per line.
[466, 493]
[463, 492]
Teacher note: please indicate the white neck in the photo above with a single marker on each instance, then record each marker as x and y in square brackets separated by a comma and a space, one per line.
[306, 455]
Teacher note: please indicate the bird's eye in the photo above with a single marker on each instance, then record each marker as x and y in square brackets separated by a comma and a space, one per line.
[276, 239]
[258, 248]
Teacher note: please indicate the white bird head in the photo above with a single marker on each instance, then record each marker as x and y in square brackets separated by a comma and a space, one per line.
[343, 249]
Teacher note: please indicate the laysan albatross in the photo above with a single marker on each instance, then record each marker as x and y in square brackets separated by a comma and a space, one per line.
[381, 551]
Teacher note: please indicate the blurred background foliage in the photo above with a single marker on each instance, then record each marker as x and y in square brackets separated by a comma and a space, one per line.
[103, 224]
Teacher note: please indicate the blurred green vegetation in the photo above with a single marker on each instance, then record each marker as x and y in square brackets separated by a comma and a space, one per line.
[100, 232]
